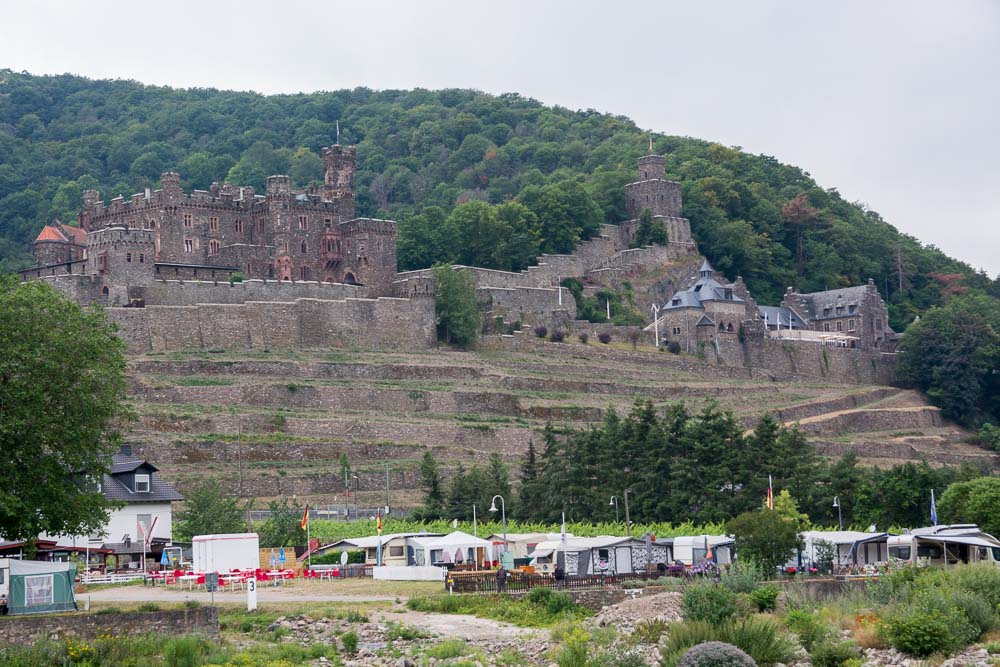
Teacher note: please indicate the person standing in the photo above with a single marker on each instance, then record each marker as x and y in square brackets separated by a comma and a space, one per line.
[501, 580]
[3, 605]
[560, 576]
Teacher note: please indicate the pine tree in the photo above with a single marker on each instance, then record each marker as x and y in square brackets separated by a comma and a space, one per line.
[430, 479]
[527, 493]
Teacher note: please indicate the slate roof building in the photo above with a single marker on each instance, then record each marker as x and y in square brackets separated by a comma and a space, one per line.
[858, 314]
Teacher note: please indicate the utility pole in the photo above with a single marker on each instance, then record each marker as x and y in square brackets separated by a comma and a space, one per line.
[239, 452]
[628, 520]
[387, 489]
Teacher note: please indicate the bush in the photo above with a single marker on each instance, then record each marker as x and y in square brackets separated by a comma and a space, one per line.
[807, 626]
[649, 631]
[915, 632]
[708, 602]
[982, 579]
[604, 337]
[743, 576]
[235, 277]
[184, 651]
[557, 336]
[149, 606]
[765, 598]
[834, 653]
[673, 347]
[584, 337]
[977, 611]
[715, 654]
[759, 636]
[350, 642]
[541, 331]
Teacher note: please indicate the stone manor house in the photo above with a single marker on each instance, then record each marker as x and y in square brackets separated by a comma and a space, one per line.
[313, 274]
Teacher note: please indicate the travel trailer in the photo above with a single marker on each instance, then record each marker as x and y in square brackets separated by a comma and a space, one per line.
[945, 545]
[694, 550]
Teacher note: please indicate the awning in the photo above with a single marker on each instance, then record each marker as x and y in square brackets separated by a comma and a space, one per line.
[541, 553]
[959, 539]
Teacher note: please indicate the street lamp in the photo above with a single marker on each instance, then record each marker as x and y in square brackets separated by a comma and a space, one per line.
[357, 484]
[614, 501]
[840, 516]
[503, 515]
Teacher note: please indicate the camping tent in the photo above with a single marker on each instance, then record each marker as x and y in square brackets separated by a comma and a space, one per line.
[443, 549]
[38, 587]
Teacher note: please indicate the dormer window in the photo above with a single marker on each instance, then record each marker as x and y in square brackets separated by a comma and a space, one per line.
[675, 302]
[729, 294]
[141, 483]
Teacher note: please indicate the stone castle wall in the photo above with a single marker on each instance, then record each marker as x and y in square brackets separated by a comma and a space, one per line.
[385, 323]
[88, 627]
[191, 293]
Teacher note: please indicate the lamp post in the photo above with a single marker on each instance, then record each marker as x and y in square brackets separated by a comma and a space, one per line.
[628, 521]
[614, 501]
[357, 485]
[840, 516]
[503, 515]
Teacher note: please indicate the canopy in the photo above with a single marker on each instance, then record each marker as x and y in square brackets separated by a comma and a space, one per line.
[449, 544]
[959, 539]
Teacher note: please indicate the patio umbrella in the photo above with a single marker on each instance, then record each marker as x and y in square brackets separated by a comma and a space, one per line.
[274, 558]
[281, 555]
[458, 555]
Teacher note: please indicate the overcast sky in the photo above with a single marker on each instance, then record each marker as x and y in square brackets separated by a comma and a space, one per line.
[895, 104]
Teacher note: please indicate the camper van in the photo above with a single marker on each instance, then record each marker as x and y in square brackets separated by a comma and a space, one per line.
[945, 545]
[693, 550]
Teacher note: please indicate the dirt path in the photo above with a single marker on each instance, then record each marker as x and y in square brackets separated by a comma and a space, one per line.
[459, 626]
[264, 594]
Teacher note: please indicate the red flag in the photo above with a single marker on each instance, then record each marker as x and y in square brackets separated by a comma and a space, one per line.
[305, 517]
[770, 494]
[378, 522]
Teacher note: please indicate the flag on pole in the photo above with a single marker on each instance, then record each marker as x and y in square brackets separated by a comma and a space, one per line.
[933, 510]
[378, 521]
[305, 517]
[770, 493]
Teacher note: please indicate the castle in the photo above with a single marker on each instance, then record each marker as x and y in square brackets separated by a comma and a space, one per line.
[229, 267]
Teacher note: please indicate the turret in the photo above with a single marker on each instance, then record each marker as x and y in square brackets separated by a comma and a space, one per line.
[278, 185]
[339, 164]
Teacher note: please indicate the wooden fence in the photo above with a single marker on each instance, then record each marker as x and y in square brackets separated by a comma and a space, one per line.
[486, 582]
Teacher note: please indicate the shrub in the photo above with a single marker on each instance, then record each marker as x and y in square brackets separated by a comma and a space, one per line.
[715, 654]
[673, 347]
[604, 337]
[584, 337]
[980, 615]
[575, 650]
[541, 331]
[765, 598]
[760, 637]
[633, 336]
[649, 631]
[743, 576]
[235, 277]
[108, 610]
[557, 336]
[539, 595]
[915, 632]
[191, 604]
[982, 579]
[350, 642]
[184, 652]
[807, 627]
[708, 602]
[834, 653]
[149, 606]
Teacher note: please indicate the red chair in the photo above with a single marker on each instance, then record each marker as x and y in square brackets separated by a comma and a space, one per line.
[200, 581]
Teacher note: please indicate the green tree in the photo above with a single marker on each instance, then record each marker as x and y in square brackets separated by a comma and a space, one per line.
[976, 501]
[456, 306]
[528, 493]
[650, 231]
[62, 400]
[768, 537]
[430, 480]
[283, 528]
[208, 510]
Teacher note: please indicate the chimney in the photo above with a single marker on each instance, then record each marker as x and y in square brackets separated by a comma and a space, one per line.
[126, 450]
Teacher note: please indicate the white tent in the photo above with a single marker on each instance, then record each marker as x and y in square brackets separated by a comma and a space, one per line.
[442, 549]
[852, 547]
[693, 549]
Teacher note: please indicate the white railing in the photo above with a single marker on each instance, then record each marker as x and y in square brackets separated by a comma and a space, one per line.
[111, 578]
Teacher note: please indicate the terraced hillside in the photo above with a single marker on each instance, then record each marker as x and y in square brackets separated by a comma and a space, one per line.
[287, 417]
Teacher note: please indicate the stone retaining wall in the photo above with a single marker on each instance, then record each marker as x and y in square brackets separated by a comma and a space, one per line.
[26, 630]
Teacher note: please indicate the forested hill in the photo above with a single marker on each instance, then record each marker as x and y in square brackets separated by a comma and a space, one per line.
[550, 175]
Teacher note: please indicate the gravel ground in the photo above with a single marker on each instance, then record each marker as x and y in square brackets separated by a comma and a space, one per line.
[624, 615]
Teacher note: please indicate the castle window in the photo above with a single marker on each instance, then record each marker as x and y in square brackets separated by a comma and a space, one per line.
[286, 247]
[239, 226]
[303, 222]
[840, 325]
[826, 326]
[328, 223]
[270, 270]
[850, 325]
[128, 257]
[152, 224]
[304, 273]
[131, 224]
[187, 221]
[260, 225]
[305, 247]
[840, 310]
[142, 258]
[851, 308]
[188, 245]
[677, 331]
[213, 224]
[878, 324]
[213, 247]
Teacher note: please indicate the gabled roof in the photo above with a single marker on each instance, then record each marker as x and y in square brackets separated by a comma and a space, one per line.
[705, 321]
[823, 305]
[74, 234]
[781, 316]
[114, 488]
[50, 233]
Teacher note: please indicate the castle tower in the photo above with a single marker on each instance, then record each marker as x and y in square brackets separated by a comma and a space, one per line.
[121, 256]
[653, 191]
[339, 164]
[170, 181]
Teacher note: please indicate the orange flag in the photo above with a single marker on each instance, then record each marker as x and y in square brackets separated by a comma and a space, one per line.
[305, 517]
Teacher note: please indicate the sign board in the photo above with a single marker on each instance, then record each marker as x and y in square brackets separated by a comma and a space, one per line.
[211, 581]
[507, 560]
[252, 594]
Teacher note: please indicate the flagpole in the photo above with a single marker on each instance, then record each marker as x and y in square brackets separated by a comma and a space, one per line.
[309, 555]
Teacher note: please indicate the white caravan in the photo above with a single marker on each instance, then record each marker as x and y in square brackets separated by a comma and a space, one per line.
[945, 545]
[693, 550]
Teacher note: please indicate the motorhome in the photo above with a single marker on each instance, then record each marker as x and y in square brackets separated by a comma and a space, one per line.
[945, 545]
[693, 550]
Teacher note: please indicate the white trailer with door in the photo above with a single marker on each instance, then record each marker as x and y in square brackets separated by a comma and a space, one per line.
[945, 546]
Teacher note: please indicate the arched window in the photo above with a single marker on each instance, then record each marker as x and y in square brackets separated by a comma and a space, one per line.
[304, 273]
[305, 247]
[213, 247]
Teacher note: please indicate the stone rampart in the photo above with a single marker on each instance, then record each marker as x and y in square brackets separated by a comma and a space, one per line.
[386, 323]
[26, 631]
[193, 292]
